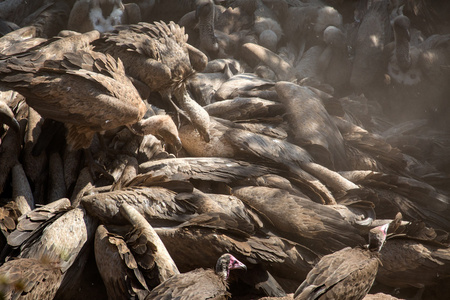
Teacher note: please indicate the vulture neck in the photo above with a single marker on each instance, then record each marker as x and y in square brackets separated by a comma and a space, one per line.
[402, 42]
[374, 246]
[223, 274]
[402, 52]
[377, 237]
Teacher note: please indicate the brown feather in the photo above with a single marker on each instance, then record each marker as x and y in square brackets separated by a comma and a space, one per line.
[76, 96]
[30, 278]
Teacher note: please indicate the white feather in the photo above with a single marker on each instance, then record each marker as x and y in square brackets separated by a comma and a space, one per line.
[103, 25]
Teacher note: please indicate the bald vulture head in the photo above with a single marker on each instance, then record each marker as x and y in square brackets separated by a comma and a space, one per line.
[377, 237]
[327, 16]
[226, 263]
[334, 36]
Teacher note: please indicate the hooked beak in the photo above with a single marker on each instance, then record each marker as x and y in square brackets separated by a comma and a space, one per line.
[236, 264]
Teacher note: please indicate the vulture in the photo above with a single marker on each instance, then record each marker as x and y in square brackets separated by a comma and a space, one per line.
[33, 50]
[19, 39]
[252, 53]
[207, 236]
[372, 34]
[418, 73]
[158, 56]
[205, 14]
[217, 147]
[67, 232]
[46, 20]
[312, 224]
[239, 84]
[154, 203]
[415, 256]
[304, 25]
[312, 126]
[210, 234]
[131, 260]
[203, 86]
[267, 26]
[334, 60]
[245, 108]
[88, 91]
[217, 169]
[413, 263]
[118, 267]
[413, 198]
[34, 221]
[199, 283]
[346, 274]
[30, 278]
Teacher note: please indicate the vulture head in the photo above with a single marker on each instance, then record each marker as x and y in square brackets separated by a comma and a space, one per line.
[105, 14]
[161, 126]
[333, 36]
[377, 237]
[226, 263]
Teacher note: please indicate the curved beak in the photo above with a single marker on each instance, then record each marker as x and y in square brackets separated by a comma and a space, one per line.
[236, 264]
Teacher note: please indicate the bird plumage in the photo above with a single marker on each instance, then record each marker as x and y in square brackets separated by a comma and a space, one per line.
[346, 274]
[88, 91]
[199, 283]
